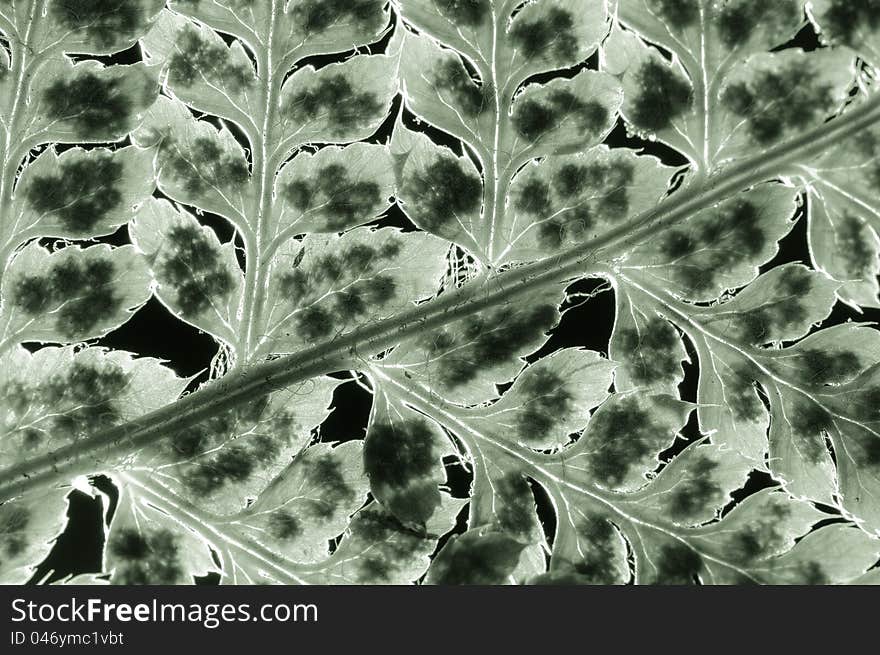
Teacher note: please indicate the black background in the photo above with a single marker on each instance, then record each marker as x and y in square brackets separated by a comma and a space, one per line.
[154, 332]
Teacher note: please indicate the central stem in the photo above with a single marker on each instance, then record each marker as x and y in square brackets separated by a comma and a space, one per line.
[345, 351]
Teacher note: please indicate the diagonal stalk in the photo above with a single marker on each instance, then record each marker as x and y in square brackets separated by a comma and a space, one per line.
[92, 454]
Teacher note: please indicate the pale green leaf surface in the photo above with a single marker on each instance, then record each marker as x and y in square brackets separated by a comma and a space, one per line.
[332, 190]
[28, 527]
[71, 294]
[197, 277]
[57, 395]
[230, 458]
[463, 361]
[308, 503]
[329, 284]
[79, 192]
[550, 400]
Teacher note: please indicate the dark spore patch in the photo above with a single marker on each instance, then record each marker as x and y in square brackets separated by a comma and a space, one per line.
[846, 18]
[487, 340]
[697, 492]
[678, 564]
[678, 13]
[195, 57]
[651, 352]
[314, 16]
[854, 246]
[470, 13]
[812, 573]
[82, 292]
[451, 76]
[733, 231]
[146, 558]
[570, 180]
[742, 396]
[664, 95]
[129, 544]
[621, 435]
[233, 464]
[194, 270]
[534, 198]
[102, 20]
[395, 455]
[533, 118]
[477, 559]
[315, 322]
[514, 507]
[442, 191]
[204, 164]
[821, 367]
[773, 102]
[94, 105]
[325, 474]
[738, 20]
[550, 35]
[599, 538]
[340, 200]
[546, 402]
[283, 525]
[334, 99]
[809, 423]
[758, 538]
[82, 194]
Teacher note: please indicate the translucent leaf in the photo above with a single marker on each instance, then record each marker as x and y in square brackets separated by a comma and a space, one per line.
[147, 547]
[549, 400]
[86, 102]
[28, 527]
[441, 193]
[566, 200]
[648, 347]
[719, 248]
[198, 277]
[543, 153]
[57, 395]
[337, 103]
[95, 26]
[624, 437]
[780, 305]
[462, 361]
[332, 189]
[80, 192]
[845, 216]
[204, 72]
[402, 459]
[197, 163]
[228, 459]
[332, 284]
[71, 294]
[309, 503]
[723, 94]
